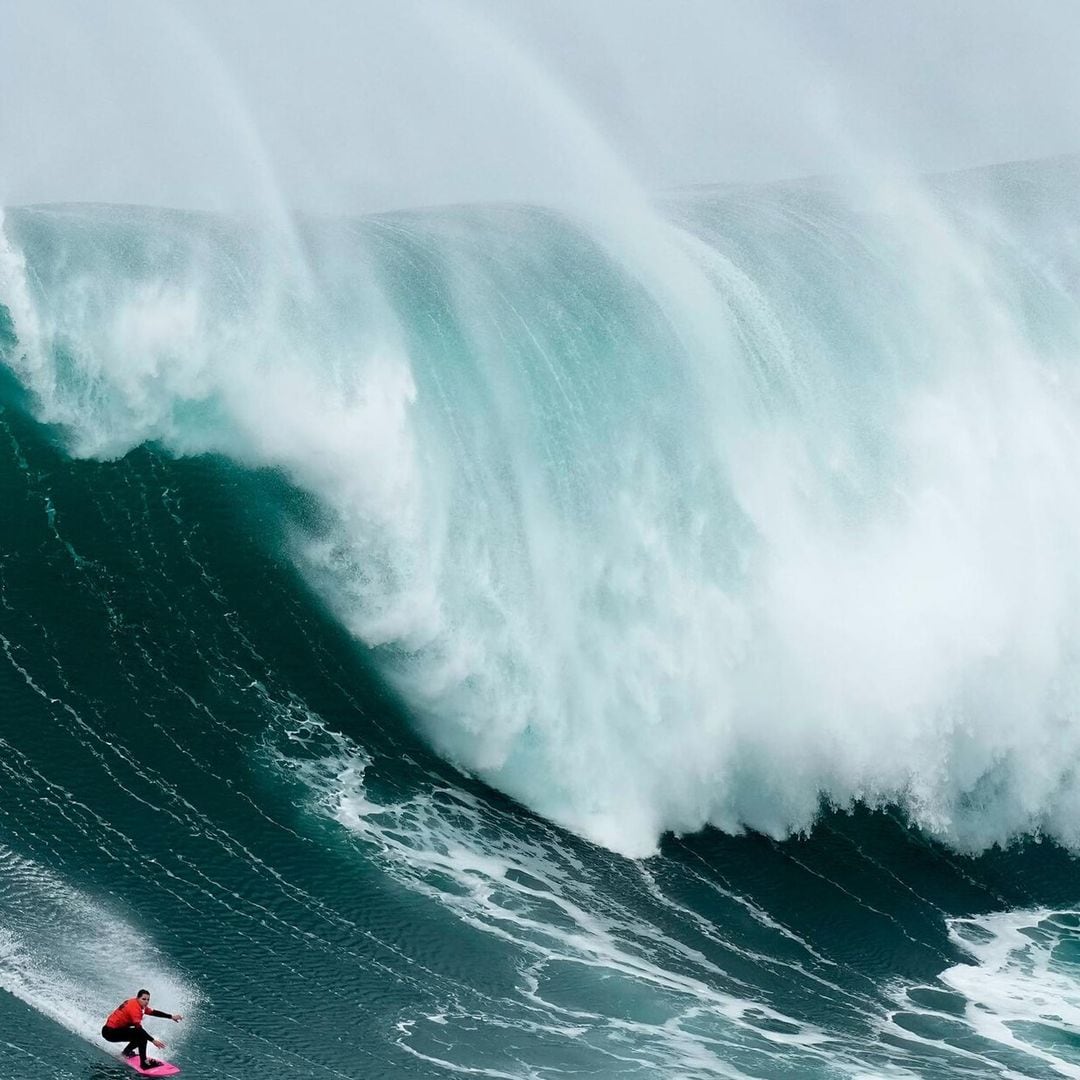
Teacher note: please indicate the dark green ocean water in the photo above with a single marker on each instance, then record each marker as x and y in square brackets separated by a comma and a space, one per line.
[217, 781]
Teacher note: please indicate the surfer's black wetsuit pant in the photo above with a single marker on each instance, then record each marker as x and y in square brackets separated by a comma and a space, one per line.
[135, 1035]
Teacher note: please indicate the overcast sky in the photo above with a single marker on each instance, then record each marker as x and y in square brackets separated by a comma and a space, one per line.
[356, 106]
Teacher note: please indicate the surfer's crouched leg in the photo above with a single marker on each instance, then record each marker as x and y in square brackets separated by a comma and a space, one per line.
[136, 1038]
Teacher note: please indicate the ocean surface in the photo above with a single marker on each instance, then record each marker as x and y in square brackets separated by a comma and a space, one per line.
[504, 642]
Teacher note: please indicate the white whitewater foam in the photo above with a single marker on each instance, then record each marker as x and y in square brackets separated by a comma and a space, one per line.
[1014, 1010]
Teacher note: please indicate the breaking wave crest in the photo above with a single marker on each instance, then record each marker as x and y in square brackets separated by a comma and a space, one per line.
[698, 514]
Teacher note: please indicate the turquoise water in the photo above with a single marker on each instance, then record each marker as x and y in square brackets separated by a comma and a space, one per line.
[488, 642]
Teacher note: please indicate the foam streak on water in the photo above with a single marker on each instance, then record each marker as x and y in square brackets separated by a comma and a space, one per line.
[1018, 991]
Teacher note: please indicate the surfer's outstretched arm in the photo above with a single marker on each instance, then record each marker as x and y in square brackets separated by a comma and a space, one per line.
[175, 1017]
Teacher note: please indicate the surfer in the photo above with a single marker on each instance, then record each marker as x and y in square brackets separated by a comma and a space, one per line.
[125, 1025]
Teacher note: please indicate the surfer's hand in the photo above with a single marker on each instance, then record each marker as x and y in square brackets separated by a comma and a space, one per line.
[158, 1043]
[176, 1018]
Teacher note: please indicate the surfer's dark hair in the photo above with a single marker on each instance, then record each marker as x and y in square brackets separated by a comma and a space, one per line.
[141, 992]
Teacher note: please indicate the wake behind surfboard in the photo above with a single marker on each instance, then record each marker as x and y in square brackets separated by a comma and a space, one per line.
[164, 1069]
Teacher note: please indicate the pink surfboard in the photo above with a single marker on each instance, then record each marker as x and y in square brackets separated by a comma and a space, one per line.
[164, 1069]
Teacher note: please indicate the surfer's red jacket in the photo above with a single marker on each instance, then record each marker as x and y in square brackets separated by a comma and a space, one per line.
[131, 1012]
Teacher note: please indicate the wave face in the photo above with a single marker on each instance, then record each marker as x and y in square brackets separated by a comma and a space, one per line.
[369, 592]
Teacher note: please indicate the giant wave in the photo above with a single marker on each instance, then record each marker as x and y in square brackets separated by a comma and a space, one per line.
[697, 513]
